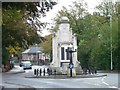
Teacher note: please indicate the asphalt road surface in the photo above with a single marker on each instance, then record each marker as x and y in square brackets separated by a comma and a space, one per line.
[19, 81]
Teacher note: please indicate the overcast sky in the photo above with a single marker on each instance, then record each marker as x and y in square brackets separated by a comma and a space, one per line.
[52, 13]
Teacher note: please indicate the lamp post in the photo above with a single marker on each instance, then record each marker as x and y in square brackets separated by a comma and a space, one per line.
[71, 50]
[36, 53]
[38, 58]
[111, 42]
[110, 17]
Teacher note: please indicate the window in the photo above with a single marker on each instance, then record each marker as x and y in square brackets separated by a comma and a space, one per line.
[62, 53]
[67, 54]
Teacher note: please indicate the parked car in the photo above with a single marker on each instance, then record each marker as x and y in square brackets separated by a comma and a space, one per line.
[26, 65]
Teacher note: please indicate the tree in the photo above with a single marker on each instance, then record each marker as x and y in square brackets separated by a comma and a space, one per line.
[93, 34]
[47, 44]
[21, 24]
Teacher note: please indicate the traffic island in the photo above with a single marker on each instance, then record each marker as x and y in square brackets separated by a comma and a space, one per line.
[65, 76]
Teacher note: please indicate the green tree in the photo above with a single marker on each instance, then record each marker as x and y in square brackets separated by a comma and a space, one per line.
[47, 44]
[20, 25]
[93, 33]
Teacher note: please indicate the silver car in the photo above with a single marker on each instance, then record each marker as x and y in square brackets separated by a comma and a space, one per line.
[26, 65]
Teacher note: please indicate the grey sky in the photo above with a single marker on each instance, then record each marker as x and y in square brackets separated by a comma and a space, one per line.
[51, 14]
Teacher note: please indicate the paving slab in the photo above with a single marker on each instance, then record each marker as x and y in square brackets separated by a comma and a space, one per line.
[15, 70]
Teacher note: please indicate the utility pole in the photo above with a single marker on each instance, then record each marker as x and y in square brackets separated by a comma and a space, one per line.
[111, 41]
[110, 16]
[36, 54]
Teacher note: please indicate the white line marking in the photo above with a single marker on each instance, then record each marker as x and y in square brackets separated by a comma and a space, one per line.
[104, 81]
[107, 83]
[113, 87]
[92, 84]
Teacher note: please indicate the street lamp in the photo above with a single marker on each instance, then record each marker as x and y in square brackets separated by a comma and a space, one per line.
[36, 53]
[71, 50]
[38, 58]
[111, 42]
[110, 16]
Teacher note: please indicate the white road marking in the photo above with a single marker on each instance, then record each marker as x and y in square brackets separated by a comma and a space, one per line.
[112, 87]
[93, 84]
[104, 81]
[92, 78]
[107, 83]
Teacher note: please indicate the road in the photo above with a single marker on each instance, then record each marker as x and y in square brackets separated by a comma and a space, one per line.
[19, 81]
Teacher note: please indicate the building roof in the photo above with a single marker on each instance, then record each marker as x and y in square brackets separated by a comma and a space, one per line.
[64, 20]
[33, 50]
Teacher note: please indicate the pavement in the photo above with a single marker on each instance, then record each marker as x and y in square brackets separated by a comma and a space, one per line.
[16, 69]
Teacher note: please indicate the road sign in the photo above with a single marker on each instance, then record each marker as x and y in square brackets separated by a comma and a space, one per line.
[71, 65]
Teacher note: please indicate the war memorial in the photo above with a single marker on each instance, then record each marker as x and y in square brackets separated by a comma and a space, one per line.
[64, 48]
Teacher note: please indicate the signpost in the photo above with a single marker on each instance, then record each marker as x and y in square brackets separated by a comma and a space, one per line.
[71, 65]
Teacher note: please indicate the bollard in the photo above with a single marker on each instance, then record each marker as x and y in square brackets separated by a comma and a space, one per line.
[40, 71]
[92, 71]
[37, 72]
[48, 71]
[51, 72]
[85, 71]
[95, 71]
[89, 71]
[44, 72]
[34, 71]
[54, 72]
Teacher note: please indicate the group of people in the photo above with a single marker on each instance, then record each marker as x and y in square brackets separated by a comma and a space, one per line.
[92, 70]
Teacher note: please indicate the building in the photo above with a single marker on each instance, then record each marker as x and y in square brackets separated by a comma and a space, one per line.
[35, 55]
[61, 41]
